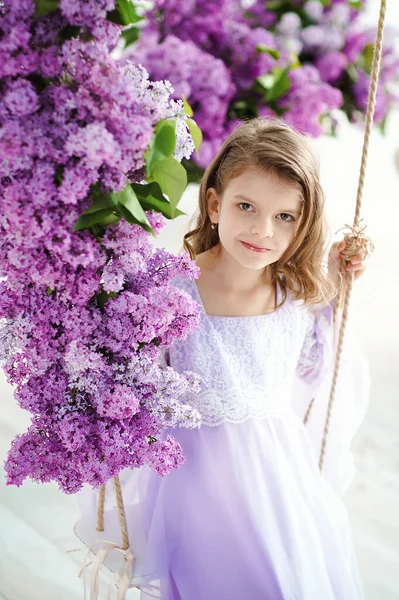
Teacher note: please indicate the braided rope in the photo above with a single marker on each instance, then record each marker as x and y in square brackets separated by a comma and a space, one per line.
[100, 508]
[355, 239]
[121, 513]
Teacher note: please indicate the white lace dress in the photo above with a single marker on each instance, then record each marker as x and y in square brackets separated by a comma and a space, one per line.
[248, 515]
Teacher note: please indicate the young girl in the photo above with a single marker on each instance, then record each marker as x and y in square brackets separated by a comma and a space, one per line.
[249, 515]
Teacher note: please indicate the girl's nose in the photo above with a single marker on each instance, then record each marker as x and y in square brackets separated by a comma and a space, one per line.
[263, 228]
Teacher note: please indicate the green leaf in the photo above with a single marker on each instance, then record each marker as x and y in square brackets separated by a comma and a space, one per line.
[240, 105]
[43, 7]
[162, 144]
[274, 53]
[276, 84]
[127, 215]
[49, 291]
[115, 17]
[128, 11]
[367, 57]
[187, 108]
[130, 35]
[151, 198]
[67, 33]
[295, 62]
[352, 72]
[165, 137]
[355, 4]
[100, 201]
[124, 13]
[103, 297]
[196, 133]
[128, 200]
[178, 213]
[276, 4]
[280, 86]
[172, 178]
[111, 219]
[87, 220]
[193, 171]
[100, 211]
[266, 81]
[166, 210]
[382, 126]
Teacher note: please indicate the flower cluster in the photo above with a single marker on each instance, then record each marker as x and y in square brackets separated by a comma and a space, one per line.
[300, 60]
[205, 80]
[86, 312]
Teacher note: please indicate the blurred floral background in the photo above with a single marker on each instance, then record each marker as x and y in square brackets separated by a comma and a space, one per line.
[302, 60]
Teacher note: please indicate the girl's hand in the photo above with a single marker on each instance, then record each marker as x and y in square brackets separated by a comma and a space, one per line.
[355, 265]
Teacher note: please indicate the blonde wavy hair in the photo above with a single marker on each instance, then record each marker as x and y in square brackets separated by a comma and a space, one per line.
[270, 145]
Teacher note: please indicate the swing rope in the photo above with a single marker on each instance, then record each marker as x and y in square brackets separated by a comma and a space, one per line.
[355, 241]
[121, 511]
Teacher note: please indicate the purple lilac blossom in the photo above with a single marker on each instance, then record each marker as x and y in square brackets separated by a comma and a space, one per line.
[203, 79]
[88, 370]
[307, 99]
[331, 66]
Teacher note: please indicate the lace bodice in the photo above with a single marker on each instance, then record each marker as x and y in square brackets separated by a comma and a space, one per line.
[248, 363]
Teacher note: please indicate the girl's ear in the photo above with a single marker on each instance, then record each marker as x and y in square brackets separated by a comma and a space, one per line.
[212, 204]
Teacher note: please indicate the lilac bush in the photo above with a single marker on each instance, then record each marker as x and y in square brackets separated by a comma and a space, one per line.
[300, 60]
[90, 153]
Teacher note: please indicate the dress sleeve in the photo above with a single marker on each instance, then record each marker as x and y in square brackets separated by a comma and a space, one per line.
[317, 349]
[313, 380]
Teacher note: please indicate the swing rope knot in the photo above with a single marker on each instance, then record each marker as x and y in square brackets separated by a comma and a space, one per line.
[356, 241]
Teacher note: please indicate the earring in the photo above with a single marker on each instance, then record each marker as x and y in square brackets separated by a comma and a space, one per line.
[213, 226]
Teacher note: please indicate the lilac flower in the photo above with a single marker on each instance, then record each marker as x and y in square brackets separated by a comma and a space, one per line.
[289, 24]
[331, 66]
[85, 315]
[21, 98]
[361, 92]
[308, 98]
[119, 402]
[354, 44]
[95, 146]
[81, 13]
[314, 9]
[204, 80]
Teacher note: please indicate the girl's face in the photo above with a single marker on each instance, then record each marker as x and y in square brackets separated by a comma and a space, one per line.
[256, 209]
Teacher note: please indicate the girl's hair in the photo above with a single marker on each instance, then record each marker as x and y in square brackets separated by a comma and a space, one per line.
[275, 148]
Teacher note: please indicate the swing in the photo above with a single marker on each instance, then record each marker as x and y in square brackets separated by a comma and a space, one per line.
[122, 565]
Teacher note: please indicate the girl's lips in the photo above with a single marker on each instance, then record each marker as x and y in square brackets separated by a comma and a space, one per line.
[254, 248]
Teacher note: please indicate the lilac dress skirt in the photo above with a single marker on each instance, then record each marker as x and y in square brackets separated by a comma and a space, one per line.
[248, 515]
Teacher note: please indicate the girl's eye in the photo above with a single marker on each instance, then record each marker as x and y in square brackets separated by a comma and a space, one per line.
[244, 204]
[290, 217]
